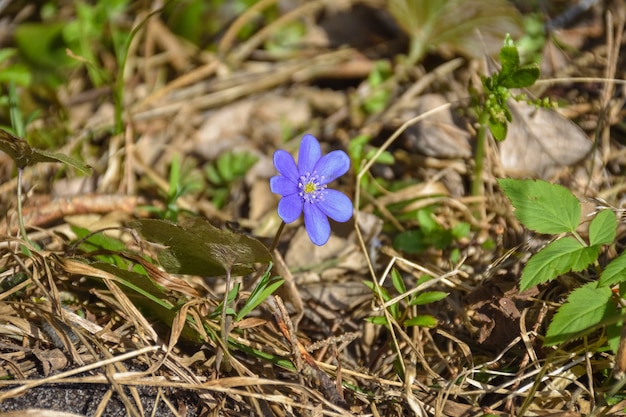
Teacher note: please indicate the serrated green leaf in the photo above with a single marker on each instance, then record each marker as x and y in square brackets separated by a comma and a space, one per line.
[428, 297]
[541, 206]
[196, 247]
[509, 58]
[615, 272]
[498, 129]
[603, 228]
[557, 258]
[425, 320]
[585, 309]
[522, 77]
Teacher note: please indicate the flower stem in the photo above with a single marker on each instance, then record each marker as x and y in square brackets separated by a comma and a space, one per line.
[277, 236]
[479, 155]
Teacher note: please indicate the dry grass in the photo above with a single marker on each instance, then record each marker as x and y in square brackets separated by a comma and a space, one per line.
[67, 322]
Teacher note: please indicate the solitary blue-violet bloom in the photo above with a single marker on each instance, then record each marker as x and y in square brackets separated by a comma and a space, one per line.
[305, 188]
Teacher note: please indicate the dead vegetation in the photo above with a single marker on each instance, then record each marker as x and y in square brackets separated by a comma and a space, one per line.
[75, 337]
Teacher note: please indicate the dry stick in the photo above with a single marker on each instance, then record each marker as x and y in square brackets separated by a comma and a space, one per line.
[278, 75]
[184, 80]
[614, 41]
[241, 53]
[241, 21]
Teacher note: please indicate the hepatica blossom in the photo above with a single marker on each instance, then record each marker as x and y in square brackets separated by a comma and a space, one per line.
[305, 188]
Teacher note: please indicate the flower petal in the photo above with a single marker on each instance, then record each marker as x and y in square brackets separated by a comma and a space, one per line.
[282, 185]
[336, 205]
[285, 165]
[290, 208]
[310, 153]
[332, 166]
[316, 224]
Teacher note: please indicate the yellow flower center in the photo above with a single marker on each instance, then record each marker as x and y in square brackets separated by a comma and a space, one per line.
[309, 187]
[311, 191]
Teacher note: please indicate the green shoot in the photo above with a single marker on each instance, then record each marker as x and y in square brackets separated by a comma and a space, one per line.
[404, 312]
[493, 111]
[552, 209]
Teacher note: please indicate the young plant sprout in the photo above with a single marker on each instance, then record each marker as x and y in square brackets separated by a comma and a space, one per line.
[305, 188]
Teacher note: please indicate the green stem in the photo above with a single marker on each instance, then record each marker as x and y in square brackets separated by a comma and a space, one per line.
[479, 155]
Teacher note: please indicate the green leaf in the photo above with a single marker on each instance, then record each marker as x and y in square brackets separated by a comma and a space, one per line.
[142, 284]
[425, 320]
[380, 320]
[603, 228]
[615, 271]
[509, 57]
[541, 206]
[557, 258]
[230, 299]
[18, 74]
[428, 297]
[398, 282]
[266, 287]
[385, 294]
[498, 129]
[523, 77]
[614, 334]
[196, 247]
[385, 158]
[6, 53]
[585, 309]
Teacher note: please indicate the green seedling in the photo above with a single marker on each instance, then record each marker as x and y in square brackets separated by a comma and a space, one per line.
[183, 180]
[430, 235]
[380, 93]
[492, 106]
[552, 209]
[225, 172]
[404, 312]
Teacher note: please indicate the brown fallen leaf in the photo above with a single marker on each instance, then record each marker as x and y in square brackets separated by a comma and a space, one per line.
[540, 142]
[437, 136]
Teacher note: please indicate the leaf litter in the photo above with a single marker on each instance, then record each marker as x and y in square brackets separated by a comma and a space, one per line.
[85, 319]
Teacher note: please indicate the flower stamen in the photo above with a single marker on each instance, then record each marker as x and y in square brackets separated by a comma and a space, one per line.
[311, 191]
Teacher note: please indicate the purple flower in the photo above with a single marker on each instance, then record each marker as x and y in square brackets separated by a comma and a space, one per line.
[305, 188]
